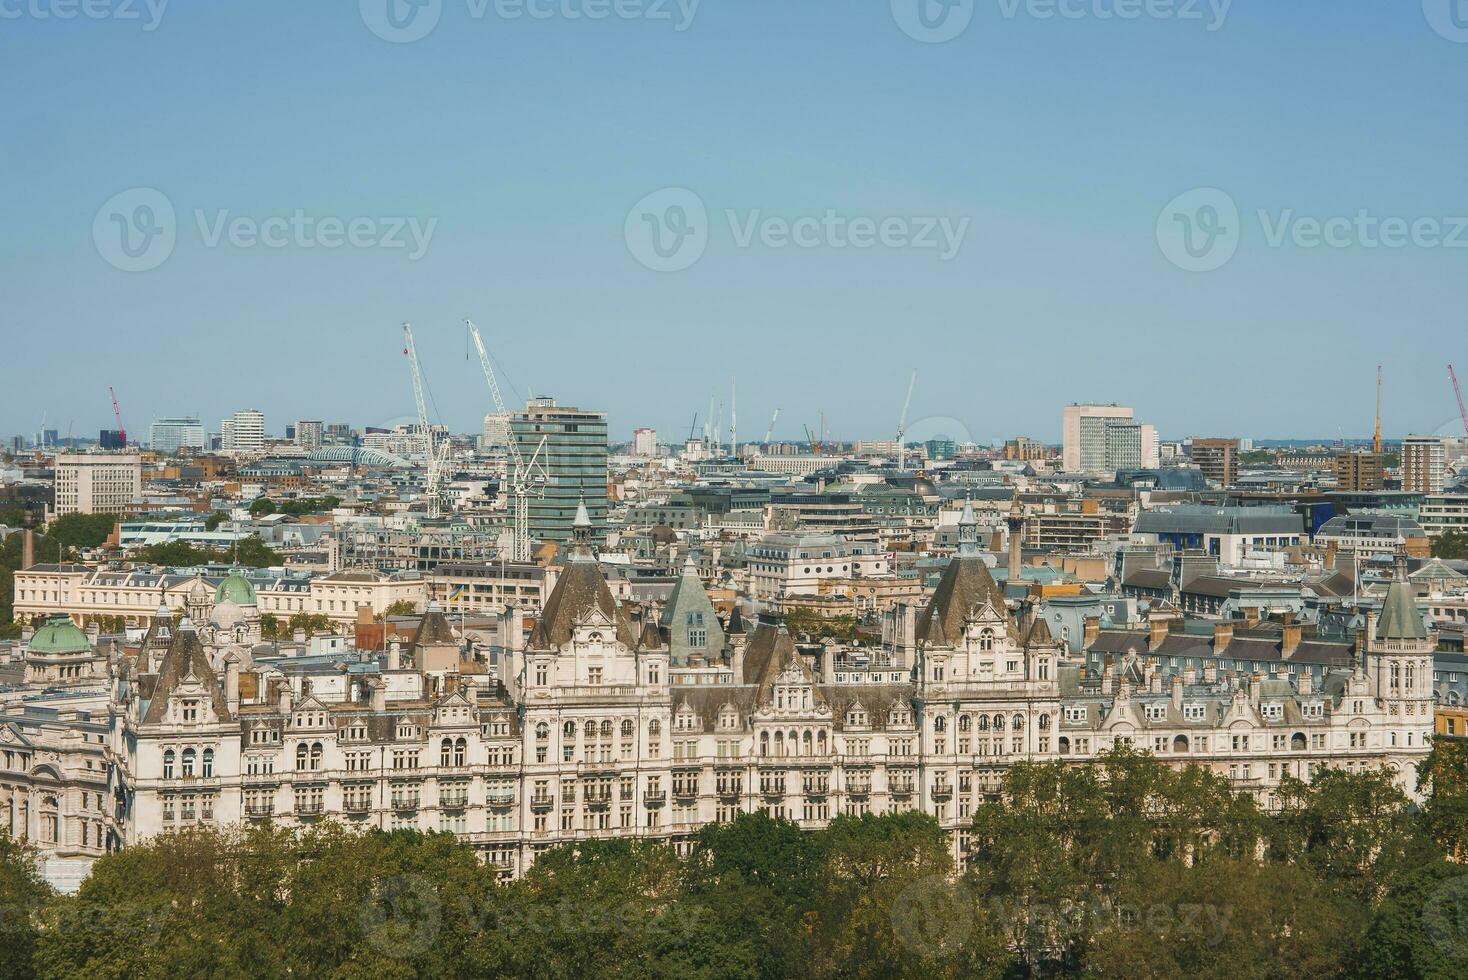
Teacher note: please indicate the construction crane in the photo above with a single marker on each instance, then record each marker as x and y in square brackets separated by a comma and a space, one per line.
[117, 414]
[1458, 393]
[525, 480]
[771, 430]
[902, 425]
[815, 447]
[431, 452]
[1376, 438]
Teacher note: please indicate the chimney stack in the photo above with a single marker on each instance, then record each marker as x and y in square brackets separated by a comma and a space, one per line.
[1177, 693]
[1091, 630]
[28, 548]
[379, 695]
[1290, 639]
[1223, 634]
[1158, 628]
[232, 684]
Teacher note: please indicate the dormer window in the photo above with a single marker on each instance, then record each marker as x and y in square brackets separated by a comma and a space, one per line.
[986, 640]
[189, 710]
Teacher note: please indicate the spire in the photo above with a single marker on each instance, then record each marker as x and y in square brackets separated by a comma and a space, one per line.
[581, 534]
[968, 531]
[1400, 619]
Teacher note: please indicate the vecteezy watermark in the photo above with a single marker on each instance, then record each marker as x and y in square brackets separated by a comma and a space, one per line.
[1449, 18]
[148, 13]
[669, 229]
[404, 917]
[1201, 229]
[936, 21]
[405, 21]
[136, 230]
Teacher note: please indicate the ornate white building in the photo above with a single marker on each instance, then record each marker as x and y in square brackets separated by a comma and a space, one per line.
[584, 728]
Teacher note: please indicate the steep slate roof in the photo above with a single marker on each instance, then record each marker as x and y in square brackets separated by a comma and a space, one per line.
[185, 658]
[965, 586]
[580, 588]
[433, 629]
[1400, 619]
[770, 649]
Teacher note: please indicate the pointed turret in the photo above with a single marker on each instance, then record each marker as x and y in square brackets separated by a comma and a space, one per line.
[1400, 618]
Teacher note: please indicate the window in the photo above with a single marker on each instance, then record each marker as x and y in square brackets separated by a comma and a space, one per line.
[208, 763]
[168, 759]
[186, 770]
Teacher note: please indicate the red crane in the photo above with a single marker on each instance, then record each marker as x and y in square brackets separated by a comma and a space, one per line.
[1459, 392]
[117, 414]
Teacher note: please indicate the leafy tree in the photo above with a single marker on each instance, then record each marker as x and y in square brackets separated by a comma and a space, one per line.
[803, 619]
[249, 552]
[1443, 779]
[1451, 545]
[311, 623]
[269, 626]
[215, 518]
[22, 896]
[401, 607]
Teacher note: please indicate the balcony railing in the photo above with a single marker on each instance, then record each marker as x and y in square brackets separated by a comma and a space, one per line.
[405, 802]
[308, 808]
[453, 801]
[356, 804]
[499, 798]
[655, 798]
[542, 802]
[258, 810]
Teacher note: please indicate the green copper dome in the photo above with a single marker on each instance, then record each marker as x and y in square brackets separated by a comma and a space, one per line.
[59, 635]
[236, 589]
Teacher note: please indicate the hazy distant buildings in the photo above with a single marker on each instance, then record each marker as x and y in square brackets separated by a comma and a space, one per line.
[97, 483]
[1024, 449]
[337, 433]
[574, 459]
[497, 429]
[1218, 459]
[644, 442]
[243, 432]
[169, 435]
[1105, 438]
[1424, 464]
[310, 434]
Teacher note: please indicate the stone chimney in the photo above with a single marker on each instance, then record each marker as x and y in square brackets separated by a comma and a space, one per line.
[94, 632]
[394, 655]
[1306, 683]
[286, 697]
[1223, 634]
[828, 661]
[1190, 676]
[1210, 673]
[517, 629]
[28, 548]
[1290, 639]
[299, 636]
[379, 695]
[1177, 693]
[1154, 680]
[1108, 681]
[1256, 687]
[232, 684]
[1090, 630]
[1158, 629]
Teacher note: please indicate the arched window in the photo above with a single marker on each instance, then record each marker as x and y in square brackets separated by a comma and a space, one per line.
[1180, 744]
[606, 729]
[186, 769]
[805, 743]
[983, 723]
[986, 640]
[964, 723]
[779, 743]
[1017, 723]
[315, 755]
[445, 753]
[627, 728]
[1063, 744]
[461, 751]
[208, 763]
[764, 743]
[168, 758]
[569, 730]
[821, 742]
[301, 756]
[654, 728]
[542, 732]
[939, 724]
[1044, 723]
[999, 723]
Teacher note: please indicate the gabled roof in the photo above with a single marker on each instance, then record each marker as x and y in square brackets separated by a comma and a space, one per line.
[581, 589]
[186, 658]
[1400, 619]
[770, 648]
[965, 587]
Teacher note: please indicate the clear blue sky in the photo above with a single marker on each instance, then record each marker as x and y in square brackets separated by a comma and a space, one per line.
[1061, 140]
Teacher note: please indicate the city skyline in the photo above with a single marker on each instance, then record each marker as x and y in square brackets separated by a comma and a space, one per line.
[1063, 286]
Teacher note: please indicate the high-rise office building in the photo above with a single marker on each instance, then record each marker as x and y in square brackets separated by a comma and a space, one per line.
[1105, 438]
[1218, 459]
[310, 434]
[1424, 464]
[574, 459]
[172, 434]
[243, 432]
[497, 429]
[644, 442]
[97, 483]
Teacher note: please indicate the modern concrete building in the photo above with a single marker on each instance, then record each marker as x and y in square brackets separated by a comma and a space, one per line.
[1104, 439]
[1218, 459]
[1359, 471]
[574, 461]
[644, 442]
[1424, 464]
[97, 483]
[310, 434]
[243, 432]
[169, 435]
